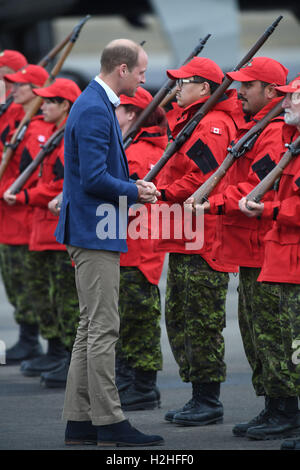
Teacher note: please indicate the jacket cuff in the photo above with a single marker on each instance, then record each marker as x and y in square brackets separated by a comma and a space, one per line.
[22, 197]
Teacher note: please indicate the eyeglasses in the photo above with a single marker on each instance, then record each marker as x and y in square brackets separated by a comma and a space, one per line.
[181, 81]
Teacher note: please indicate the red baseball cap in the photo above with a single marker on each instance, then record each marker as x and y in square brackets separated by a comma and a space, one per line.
[141, 99]
[34, 74]
[62, 87]
[200, 67]
[12, 59]
[292, 87]
[263, 69]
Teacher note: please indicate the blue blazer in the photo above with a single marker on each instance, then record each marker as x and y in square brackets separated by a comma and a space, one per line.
[96, 175]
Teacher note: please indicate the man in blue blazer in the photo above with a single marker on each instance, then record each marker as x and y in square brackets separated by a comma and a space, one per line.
[93, 219]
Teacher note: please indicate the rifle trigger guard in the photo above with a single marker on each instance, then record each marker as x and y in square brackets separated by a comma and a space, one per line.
[294, 151]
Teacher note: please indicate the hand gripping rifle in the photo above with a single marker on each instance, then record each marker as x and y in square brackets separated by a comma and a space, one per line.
[47, 148]
[21, 129]
[236, 151]
[157, 99]
[268, 181]
[188, 129]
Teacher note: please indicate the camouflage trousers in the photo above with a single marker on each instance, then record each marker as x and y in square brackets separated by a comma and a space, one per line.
[269, 322]
[14, 271]
[41, 287]
[139, 307]
[195, 317]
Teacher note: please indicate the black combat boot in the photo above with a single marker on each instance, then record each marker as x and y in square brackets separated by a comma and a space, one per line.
[142, 394]
[241, 428]
[55, 356]
[56, 378]
[28, 345]
[171, 413]
[283, 420]
[124, 373]
[206, 409]
[290, 444]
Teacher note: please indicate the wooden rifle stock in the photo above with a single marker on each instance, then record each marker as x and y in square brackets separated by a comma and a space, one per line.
[56, 49]
[49, 146]
[243, 145]
[268, 181]
[188, 129]
[157, 99]
[36, 104]
[42, 63]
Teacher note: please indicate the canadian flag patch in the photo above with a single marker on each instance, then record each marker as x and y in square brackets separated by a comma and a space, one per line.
[215, 130]
[41, 138]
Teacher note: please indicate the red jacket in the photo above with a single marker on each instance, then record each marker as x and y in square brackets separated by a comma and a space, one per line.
[10, 121]
[16, 220]
[195, 161]
[282, 242]
[240, 239]
[49, 184]
[143, 153]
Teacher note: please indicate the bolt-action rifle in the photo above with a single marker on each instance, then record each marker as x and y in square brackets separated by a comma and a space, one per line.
[188, 129]
[21, 129]
[237, 150]
[158, 97]
[42, 63]
[269, 180]
[47, 148]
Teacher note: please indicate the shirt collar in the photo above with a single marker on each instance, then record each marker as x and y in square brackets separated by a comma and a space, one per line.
[113, 98]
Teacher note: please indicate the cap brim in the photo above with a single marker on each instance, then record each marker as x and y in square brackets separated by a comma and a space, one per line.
[287, 89]
[240, 76]
[15, 78]
[44, 93]
[174, 74]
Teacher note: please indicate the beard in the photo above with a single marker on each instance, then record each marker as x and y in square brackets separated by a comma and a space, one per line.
[292, 118]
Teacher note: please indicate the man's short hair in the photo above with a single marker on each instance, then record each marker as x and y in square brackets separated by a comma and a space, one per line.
[212, 85]
[114, 55]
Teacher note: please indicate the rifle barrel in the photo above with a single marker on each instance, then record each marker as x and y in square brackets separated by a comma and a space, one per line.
[236, 151]
[7, 155]
[186, 132]
[158, 97]
[268, 181]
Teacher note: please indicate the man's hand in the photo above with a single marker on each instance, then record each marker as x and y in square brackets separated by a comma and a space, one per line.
[189, 204]
[54, 207]
[147, 192]
[9, 198]
[250, 208]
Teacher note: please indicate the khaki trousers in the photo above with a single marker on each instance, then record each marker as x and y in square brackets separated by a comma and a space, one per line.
[91, 393]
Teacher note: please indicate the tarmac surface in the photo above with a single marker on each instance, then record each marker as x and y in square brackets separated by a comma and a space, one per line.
[31, 415]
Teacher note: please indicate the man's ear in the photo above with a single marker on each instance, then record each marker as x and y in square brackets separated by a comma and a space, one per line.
[205, 88]
[131, 116]
[123, 70]
[270, 91]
